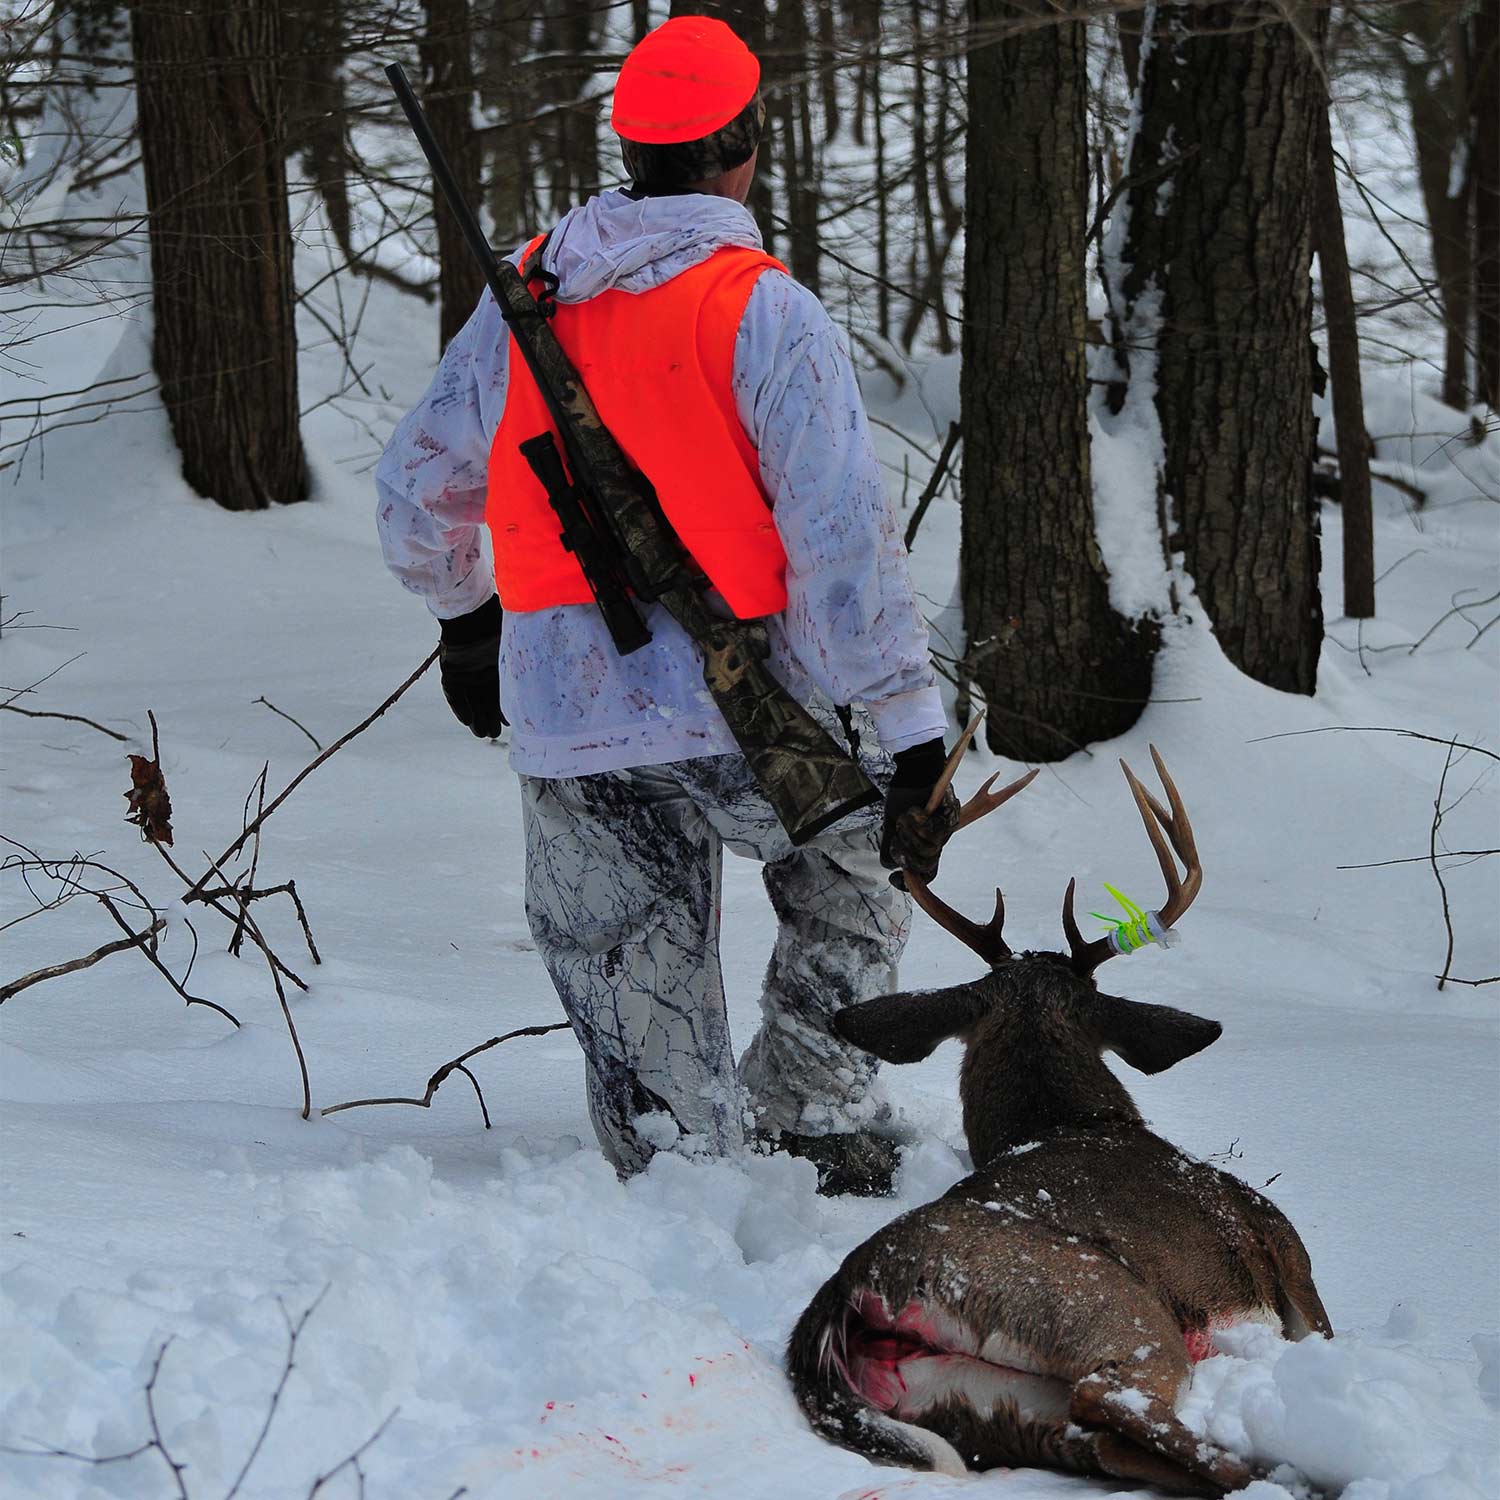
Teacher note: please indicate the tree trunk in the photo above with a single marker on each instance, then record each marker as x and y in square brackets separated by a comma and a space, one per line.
[1484, 51]
[1438, 95]
[314, 96]
[448, 94]
[1219, 252]
[212, 145]
[506, 89]
[791, 114]
[1348, 401]
[1058, 667]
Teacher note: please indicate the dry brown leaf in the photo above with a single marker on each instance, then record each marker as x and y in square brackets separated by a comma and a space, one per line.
[150, 806]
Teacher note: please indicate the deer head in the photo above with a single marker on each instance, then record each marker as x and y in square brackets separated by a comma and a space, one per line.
[1035, 1027]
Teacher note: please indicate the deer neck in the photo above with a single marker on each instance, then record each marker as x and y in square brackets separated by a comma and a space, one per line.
[1025, 1084]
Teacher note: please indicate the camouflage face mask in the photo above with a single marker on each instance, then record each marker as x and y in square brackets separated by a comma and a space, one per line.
[685, 162]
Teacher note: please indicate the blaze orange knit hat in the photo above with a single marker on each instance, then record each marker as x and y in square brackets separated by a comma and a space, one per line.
[683, 81]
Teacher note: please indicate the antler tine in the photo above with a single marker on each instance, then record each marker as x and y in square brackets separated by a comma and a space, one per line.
[1163, 826]
[954, 761]
[986, 941]
[985, 801]
[1086, 956]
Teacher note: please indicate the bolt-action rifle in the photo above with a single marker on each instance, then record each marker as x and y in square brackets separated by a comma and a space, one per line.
[614, 525]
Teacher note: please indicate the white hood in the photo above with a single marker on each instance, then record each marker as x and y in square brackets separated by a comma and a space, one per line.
[617, 243]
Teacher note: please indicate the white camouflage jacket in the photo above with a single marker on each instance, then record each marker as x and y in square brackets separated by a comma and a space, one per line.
[851, 630]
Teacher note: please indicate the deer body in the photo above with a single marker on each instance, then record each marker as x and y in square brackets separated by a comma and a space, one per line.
[1048, 1308]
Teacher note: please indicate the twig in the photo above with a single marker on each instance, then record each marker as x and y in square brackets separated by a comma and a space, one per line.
[38, 713]
[22, 692]
[436, 1081]
[294, 1332]
[277, 968]
[1437, 874]
[317, 744]
[354, 1458]
[158, 965]
[313, 765]
[53, 971]
[245, 893]
[1458, 609]
[926, 497]
[1477, 983]
[256, 935]
[237, 938]
[1422, 859]
[1371, 729]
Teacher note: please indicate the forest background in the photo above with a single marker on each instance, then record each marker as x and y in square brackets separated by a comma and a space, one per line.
[1178, 327]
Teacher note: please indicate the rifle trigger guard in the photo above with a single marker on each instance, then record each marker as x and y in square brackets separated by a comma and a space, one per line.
[546, 302]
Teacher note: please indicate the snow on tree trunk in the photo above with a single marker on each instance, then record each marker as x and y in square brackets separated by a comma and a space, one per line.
[225, 347]
[1220, 239]
[1057, 665]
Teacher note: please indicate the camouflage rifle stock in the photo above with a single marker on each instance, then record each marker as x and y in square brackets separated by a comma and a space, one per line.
[809, 781]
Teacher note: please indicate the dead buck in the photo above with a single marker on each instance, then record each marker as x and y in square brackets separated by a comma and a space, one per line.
[1048, 1308]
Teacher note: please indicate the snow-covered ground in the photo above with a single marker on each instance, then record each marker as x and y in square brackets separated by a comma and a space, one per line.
[522, 1324]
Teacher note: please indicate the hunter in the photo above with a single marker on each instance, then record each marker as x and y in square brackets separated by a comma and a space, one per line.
[727, 385]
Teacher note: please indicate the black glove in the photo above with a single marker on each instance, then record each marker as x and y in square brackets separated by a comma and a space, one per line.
[469, 663]
[912, 838]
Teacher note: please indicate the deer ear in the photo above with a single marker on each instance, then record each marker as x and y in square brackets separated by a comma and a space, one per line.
[1151, 1037]
[905, 1027]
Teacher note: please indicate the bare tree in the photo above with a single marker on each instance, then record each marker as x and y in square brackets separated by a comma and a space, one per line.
[225, 346]
[1057, 665]
[1428, 44]
[448, 71]
[1347, 393]
[1484, 52]
[1219, 291]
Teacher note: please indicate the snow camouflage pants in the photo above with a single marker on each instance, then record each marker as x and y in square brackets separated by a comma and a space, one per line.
[623, 873]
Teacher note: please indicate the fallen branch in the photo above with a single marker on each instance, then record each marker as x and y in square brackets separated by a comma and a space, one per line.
[39, 713]
[457, 1065]
[73, 965]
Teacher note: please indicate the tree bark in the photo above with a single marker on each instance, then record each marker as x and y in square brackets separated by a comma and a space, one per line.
[448, 94]
[1348, 402]
[1437, 93]
[1058, 667]
[314, 94]
[505, 87]
[1219, 256]
[1484, 51]
[213, 150]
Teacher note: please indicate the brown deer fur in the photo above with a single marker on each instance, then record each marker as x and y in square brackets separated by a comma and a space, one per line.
[1043, 1310]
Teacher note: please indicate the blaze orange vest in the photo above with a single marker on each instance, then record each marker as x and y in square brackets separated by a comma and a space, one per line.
[659, 366]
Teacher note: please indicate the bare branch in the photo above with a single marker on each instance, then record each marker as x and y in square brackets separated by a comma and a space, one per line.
[1292, 734]
[294, 1332]
[37, 713]
[457, 1065]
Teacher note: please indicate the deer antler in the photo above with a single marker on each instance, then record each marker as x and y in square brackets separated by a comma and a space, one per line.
[986, 941]
[1162, 828]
